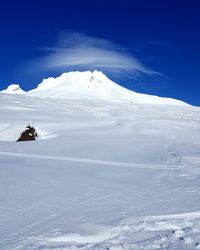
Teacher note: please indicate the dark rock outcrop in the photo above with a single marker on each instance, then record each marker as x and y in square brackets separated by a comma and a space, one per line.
[29, 134]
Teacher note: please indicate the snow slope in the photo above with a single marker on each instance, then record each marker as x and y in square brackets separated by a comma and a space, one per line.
[93, 85]
[89, 86]
[102, 175]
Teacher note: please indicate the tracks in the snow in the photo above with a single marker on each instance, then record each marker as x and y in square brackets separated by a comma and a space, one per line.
[190, 161]
[92, 161]
[107, 163]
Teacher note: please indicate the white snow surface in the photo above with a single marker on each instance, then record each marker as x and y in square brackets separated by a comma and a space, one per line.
[93, 86]
[13, 89]
[102, 175]
[89, 85]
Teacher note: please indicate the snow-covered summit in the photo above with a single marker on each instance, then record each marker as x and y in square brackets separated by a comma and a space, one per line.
[93, 86]
[13, 89]
[88, 79]
[88, 85]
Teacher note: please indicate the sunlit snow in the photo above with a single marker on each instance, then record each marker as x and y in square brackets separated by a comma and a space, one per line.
[104, 173]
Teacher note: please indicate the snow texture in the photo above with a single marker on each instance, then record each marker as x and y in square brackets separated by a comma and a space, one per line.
[101, 175]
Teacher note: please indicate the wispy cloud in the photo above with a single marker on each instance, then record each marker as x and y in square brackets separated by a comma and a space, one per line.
[77, 50]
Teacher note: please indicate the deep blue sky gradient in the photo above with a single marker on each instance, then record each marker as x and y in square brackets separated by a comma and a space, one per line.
[163, 35]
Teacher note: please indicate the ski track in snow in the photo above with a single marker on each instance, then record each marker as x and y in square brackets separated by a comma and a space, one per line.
[147, 134]
[181, 231]
[92, 161]
[108, 163]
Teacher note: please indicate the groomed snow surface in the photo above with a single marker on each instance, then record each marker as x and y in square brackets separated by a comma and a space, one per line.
[103, 174]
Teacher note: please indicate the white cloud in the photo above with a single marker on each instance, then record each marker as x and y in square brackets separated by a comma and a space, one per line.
[76, 50]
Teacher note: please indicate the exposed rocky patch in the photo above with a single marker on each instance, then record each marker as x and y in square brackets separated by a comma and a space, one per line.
[29, 134]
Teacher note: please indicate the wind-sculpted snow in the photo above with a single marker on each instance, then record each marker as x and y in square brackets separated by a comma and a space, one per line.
[172, 232]
[102, 175]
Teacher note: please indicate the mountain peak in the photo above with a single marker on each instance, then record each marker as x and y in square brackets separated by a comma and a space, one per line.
[88, 85]
[93, 86]
[74, 76]
[13, 89]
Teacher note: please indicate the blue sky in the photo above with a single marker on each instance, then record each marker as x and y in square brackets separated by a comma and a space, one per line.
[151, 47]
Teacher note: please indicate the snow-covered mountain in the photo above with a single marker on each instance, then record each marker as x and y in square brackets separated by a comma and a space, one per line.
[89, 86]
[93, 86]
[101, 174]
[13, 89]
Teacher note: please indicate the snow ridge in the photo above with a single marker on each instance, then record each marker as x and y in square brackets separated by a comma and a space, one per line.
[13, 89]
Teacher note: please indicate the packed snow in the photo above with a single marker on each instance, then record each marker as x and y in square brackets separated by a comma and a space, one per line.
[103, 174]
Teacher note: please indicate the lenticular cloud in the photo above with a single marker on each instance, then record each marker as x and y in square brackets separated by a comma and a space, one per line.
[76, 50]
